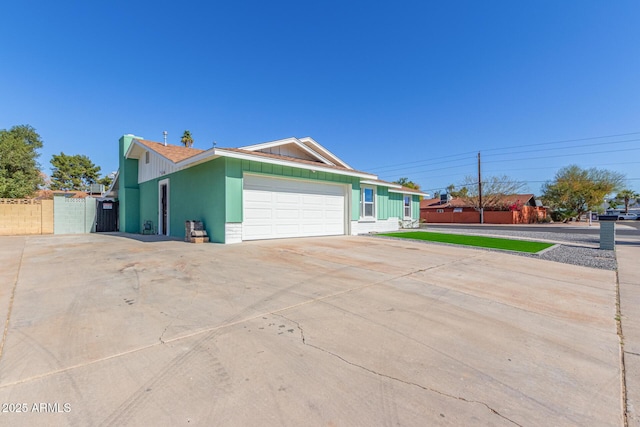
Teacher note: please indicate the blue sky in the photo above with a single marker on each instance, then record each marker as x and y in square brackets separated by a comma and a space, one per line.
[402, 89]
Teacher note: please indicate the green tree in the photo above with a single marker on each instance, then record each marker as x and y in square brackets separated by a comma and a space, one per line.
[626, 195]
[462, 192]
[575, 191]
[106, 180]
[74, 172]
[406, 183]
[186, 139]
[19, 171]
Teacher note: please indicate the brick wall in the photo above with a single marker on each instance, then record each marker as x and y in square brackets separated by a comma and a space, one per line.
[25, 216]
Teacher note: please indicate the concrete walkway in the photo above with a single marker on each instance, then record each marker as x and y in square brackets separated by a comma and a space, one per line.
[108, 330]
[628, 255]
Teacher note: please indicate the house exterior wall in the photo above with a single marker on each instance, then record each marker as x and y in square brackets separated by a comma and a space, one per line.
[380, 226]
[211, 192]
[128, 193]
[196, 193]
[236, 168]
[156, 167]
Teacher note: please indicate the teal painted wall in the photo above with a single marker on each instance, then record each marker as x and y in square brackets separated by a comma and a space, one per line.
[129, 207]
[383, 205]
[396, 205]
[149, 203]
[196, 193]
[415, 207]
[233, 196]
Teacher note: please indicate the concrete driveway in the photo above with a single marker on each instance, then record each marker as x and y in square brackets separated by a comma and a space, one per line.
[357, 331]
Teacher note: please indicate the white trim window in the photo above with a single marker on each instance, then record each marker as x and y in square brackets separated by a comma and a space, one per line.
[407, 206]
[368, 202]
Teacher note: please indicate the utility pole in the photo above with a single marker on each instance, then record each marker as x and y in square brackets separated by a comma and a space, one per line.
[480, 191]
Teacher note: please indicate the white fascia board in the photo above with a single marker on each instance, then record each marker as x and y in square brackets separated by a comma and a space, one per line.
[319, 168]
[328, 153]
[263, 145]
[286, 141]
[198, 158]
[381, 184]
[402, 191]
[135, 143]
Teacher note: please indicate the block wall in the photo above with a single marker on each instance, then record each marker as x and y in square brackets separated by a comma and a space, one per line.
[74, 216]
[25, 216]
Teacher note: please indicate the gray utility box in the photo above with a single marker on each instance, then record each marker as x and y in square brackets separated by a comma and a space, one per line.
[608, 232]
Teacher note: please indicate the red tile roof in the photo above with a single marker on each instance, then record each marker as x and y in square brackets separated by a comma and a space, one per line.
[458, 202]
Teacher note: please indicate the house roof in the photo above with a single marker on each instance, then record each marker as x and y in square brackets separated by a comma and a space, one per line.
[175, 153]
[185, 157]
[326, 161]
[458, 202]
[292, 159]
[455, 202]
[307, 145]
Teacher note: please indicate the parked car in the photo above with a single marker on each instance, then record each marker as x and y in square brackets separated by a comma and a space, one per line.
[628, 216]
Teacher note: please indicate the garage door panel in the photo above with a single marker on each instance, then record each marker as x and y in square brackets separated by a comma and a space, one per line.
[312, 214]
[258, 196]
[287, 214]
[275, 208]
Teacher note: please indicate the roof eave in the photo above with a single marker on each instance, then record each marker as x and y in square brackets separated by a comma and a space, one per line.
[283, 162]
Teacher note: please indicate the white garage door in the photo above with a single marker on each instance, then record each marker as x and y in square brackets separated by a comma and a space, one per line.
[276, 208]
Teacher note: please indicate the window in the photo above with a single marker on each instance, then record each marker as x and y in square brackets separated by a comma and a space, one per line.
[367, 207]
[146, 157]
[407, 206]
[440, 211]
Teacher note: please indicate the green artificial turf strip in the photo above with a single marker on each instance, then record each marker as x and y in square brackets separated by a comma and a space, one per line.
[480, 241]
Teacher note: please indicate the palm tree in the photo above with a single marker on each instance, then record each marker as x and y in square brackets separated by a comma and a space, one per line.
[186, 139]
[627, 195]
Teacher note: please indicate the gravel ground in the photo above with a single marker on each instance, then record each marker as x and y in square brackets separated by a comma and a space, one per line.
[576, 249]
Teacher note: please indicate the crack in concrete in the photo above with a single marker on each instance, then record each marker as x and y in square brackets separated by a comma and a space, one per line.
[163, 332]
[623, 368]
[13, 295]
[492, 410]
[632, 353]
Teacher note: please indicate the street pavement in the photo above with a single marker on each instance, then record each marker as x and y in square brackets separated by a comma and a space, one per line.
[131, 330]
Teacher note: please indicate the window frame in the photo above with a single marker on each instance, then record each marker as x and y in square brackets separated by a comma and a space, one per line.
[363, 203]
[409, 206]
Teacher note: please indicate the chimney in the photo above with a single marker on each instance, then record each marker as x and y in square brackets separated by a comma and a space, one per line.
[164, 133]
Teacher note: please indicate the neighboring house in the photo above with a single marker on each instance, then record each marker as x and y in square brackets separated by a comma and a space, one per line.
[286, 188]
[513, 209]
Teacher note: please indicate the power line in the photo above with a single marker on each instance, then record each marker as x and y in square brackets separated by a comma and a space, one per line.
[566, 148]
[565, 140]
[440, 159]
[565, 155]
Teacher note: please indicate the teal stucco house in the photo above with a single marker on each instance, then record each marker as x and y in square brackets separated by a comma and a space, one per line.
[292, 187]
